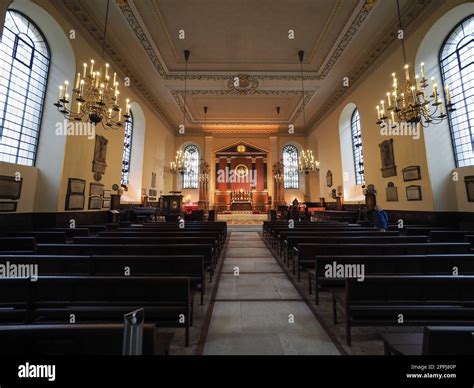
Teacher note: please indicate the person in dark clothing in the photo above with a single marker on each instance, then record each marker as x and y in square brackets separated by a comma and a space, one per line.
[380, 218]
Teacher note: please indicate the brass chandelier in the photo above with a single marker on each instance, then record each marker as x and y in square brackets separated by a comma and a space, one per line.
[306, 161]
[411, 102]
[181, 163]
[95, 94]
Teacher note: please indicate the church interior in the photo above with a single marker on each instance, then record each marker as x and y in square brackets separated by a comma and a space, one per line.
[237, 177]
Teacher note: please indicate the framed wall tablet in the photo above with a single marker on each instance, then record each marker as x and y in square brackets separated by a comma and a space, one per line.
[413, 193]
[411, 173]
[391, 192]
[106, 194]
[95, 203]
[75, 202]
[76, 186]
[8, 207]
[96, 190]
[106, 204]
[10, 187]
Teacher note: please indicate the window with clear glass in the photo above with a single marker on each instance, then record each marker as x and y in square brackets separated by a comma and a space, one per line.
[24, 68]
[457, 69]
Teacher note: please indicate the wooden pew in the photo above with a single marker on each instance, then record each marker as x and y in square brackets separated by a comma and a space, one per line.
[70, 232]
[305, 254]
[97, 299]
[165, 233]
[19, 245]
[427, 300]
[449, 235]
[272, 237]
[116, 265]
[41, 237]
[205, 250]
[377, 265]
[434, 341]
[287, 240]
[101, 339]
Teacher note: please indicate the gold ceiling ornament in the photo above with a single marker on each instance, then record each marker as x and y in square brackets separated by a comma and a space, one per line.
[306, 161]
[95, 94]
[411, 102]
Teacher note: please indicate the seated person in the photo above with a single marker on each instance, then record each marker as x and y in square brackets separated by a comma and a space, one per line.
[380, 218]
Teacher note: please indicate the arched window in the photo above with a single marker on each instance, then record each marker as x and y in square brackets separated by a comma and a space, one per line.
[191, 170]
[357, 148]
[24, 67]
[127, 150]
[290, 167]
[457, 69]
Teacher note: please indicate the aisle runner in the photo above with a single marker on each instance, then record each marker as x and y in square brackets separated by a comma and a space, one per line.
[257, 310]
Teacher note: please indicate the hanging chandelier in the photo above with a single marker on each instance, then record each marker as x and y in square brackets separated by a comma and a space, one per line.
[411, 102]
[306, 161]
[181, 163]
[95, 95]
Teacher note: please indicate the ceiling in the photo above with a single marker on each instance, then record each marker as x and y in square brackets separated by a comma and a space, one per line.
[246, 40]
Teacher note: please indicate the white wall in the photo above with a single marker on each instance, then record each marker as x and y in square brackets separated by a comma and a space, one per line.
[439, 148]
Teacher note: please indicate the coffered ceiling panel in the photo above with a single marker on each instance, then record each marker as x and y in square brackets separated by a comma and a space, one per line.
[247, 39]
[245, 35]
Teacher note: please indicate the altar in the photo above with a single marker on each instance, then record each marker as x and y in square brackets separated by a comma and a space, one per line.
[241, 206]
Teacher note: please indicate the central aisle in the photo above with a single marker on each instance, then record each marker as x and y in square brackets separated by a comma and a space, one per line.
[259, 312]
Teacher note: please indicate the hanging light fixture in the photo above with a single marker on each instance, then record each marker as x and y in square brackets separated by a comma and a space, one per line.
[204, 171]
[181, 163]
[94, 96]
[306, 161]
[412, 103]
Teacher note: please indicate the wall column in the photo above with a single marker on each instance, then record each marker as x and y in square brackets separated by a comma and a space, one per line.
[273, 158]
[209, 158]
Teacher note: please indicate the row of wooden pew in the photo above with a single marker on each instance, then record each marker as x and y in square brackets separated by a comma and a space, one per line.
[99, 275]
[408, 279]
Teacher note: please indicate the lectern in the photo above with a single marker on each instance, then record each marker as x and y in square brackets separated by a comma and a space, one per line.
[171, 203]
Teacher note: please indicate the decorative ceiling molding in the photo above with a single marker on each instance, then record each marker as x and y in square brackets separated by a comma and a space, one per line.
[409, 14]
[90, 26]
[141, 35]
[178, 96]
[356, 24]
[242, 131]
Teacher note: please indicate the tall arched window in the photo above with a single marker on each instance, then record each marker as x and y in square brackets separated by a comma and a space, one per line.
[357, 148]
[290, 167]
[24, 68]
[191, 171]
[127, 150]
[457, 69]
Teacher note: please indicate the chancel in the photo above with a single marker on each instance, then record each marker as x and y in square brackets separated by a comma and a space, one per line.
[256, 177]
